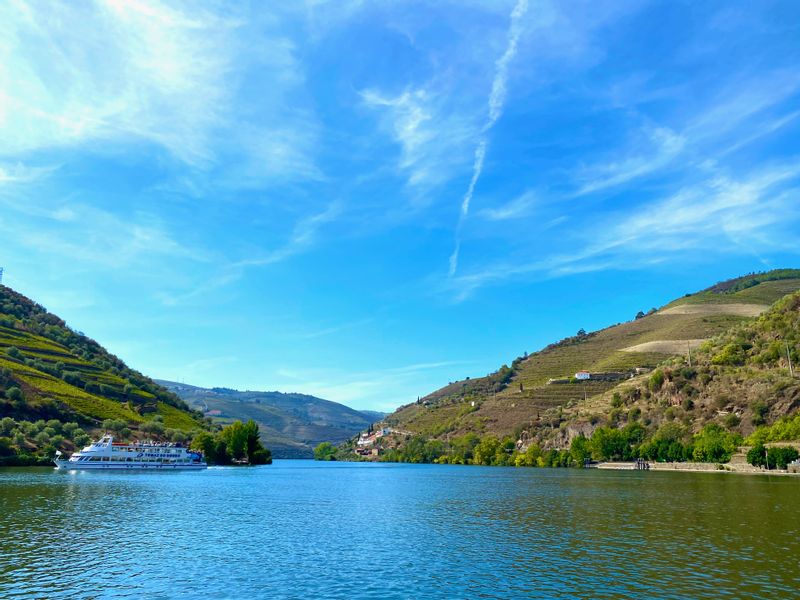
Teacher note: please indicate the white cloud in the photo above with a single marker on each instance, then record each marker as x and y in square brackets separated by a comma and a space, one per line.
[432, 138]
[20, 173]
[110, 75]
[304, 235]
[666, 145]
[90, 235]
[738, 114]
[520, 206]
[717, 214]
[496, 101]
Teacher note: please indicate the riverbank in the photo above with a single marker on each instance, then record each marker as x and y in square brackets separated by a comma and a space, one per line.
[685, 467]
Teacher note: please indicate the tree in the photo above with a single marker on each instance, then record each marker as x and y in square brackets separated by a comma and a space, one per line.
[205, 443]
[14, 394]
[152, 427]
[579, 450]
[714, 444]
[779, 457]
[607, 444]
[756, 455]
[240, 441]
[325, 451]
[486, 450]
[235, 439]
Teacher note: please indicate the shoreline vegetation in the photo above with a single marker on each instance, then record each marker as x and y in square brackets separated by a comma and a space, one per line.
[34, 444]
[769, 447]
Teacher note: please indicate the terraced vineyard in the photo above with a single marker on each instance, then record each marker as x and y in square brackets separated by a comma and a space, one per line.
[520, 395]
[63, 375]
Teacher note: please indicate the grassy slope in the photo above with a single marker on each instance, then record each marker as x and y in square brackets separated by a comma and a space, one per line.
[449, 410]
[739, 379]
[100, 386]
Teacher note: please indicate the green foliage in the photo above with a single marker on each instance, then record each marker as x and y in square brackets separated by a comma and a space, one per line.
[667, 445]
[776, 457]
[325, 451]
[238, 443]
[656, 380]
[783, 430]
[731, 354]
[760, 410]
[732, 420]
[66, 375]
[780, 456]
[608, 443]
[714, 444]
[580, 450]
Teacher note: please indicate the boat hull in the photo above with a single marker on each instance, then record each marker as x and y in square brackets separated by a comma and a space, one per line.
[65, 465]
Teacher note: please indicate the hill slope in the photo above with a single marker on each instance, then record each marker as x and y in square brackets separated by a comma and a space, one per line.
[538, 394]
[51, 374]
[291, 424]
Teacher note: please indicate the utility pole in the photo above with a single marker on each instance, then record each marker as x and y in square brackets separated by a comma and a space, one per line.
[689, 350]
[789, 358]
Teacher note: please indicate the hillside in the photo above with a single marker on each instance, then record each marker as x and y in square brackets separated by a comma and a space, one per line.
[51, 375]
[291, 424]
[538, 398]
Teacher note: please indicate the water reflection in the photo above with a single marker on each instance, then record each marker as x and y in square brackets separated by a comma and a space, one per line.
[301, 529]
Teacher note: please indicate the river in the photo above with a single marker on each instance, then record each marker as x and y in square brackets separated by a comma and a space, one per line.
[301, 529]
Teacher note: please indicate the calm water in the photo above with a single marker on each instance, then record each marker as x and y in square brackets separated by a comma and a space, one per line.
[300, 529]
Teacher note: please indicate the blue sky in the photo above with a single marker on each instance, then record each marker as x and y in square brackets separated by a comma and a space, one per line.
[366, 200]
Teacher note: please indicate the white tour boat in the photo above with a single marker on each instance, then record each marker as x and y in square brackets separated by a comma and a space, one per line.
[106, 454]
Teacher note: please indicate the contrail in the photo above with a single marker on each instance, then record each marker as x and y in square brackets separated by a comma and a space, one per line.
[497, 99]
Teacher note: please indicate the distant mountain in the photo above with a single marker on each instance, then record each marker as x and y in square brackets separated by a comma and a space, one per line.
[291, 424]
[373, 415]
[58, 388]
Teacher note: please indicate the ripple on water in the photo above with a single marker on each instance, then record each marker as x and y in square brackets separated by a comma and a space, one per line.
[300, 529]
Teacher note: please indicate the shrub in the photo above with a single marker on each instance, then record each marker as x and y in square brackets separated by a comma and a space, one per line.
[7, 424]
[732, 420]
[19, 438]
[759, 413]
[731, 354]
[656, 380]
[14, 394]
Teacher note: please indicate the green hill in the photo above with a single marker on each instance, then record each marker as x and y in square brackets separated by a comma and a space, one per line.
[51, 375]
[291, 424]
[538, 398]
